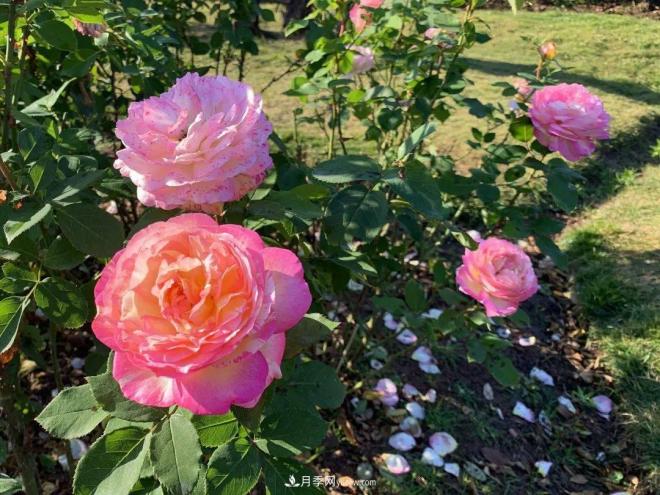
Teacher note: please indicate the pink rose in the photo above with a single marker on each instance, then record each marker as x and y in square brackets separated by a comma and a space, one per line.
[196, 313]
[202, 143]
[499, 275]
[431, 33]
[360, 16]
[364, 60]
[522, 87]
[569, 119]
[548, 50]
[88, 28]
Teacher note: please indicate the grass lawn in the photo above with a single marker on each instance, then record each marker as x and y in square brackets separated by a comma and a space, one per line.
[614, 243]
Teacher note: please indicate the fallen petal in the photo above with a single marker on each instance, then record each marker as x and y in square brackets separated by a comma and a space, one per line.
[407, 337]
[387, 391]
[77, 363]
[415, 410]
[524, 412]
[410, 391]
[375, 364]
[412, 426]
[429, 368]
[527, 341]
[396, 464]
[566, 402]
[78, 448]
[443, 443]
[430, 396]
[432, 314]
[603, 404]
[389, 322]
[430, 456]
[402, 441]
[543, 467]
[542, 376]
[453, 469]
[422, 355]
[503, 332]
[488, 392]
[355, 286]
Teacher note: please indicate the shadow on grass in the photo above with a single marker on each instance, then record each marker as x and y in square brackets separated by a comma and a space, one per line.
[634, 91]
[618, 293]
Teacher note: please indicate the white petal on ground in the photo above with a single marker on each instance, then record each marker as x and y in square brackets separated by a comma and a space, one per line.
[524, 412]
[389, 322]
[430, 456]
[375, 364]
[422, 355]
[430, 396]
[54, 392]
[387, 391]
[78, 448]
[77, 363]
[402, 441]
[453, 469]
[396, 464]
[527, 341]
[410, 391]
[415, 410]
[407, 337]
[432, 314]
[543, 467]
[429, 368]
[566, 402]
[503, 332]
[542, 376]
[488, 392]
[355, 286]
[443, 443]
[412, 426]
[603, 404]
[500, 414]
[63, 462]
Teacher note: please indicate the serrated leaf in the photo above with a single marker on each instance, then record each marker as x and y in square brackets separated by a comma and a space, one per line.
[90, 229]
[282, 475]
[9, 486]
[11, 313]
[347, 168]
[107, 393]
[503, 371]
[311, 329]
[415, 297]
[415, 139]
[317, 383]
[563, 192]
[234, 469]
[214, 431]
[521, 129]
[24, 219]
[356, 212]
[73, 413]
[176, 454]
[291, 431]
[62, 302]
[61, 255]
[113, 463]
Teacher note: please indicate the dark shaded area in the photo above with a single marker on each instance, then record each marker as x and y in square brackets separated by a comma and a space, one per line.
[632, 90]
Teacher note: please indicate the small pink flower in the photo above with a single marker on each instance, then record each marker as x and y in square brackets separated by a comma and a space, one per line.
[567, 118]
[431, 33]
[364, 60]
[499, 275]
[89, 28]
[196, 313]
[202, 143]
[360, 16]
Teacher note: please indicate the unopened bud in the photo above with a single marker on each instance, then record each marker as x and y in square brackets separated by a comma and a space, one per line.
[548, 50]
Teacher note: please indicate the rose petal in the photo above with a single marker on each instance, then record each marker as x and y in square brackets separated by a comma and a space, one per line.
[566, 402]
[407, 337]
[396, 464]
[422, 355]
[429, 368]
[603, 404]
[415, 410]
[542, 376]
[431, 457]
[443, 443]
[527, 341]
[410, 391]
[412, 426]
[453, 469]
[524, 412]
[402, 441]
[543, 467]
[488, 392]
[430, 396]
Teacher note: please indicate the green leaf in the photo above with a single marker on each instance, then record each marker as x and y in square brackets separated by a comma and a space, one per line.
[415, 139]
[73, 413]
[90, 229]
[317, 383]
[419, 188]
[176, 454]
[282, 475]
[24, 219]
[107, 392]
[347, 168]
[76, 184]
[234, 469]
[57, 34]
[311, 329]
[503, 370]
[521, 129]
[9, 486]
[11, 313]
[415, 297]
[563, 192]
[214, 431]
[62, 301]
[291, 430]
[549, 248]
[61, 255]
[356, 212]
[294, 26]
[113, 463]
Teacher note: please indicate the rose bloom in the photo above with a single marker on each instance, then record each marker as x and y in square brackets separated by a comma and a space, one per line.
[523, 87]
[360, 16]
[567, 118]
[431, 33]
[88, 28]
[197, 312]
[200, 144]
[499, 275]
[364, 60]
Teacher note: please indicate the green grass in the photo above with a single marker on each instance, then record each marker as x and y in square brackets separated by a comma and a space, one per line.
[614, 246]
